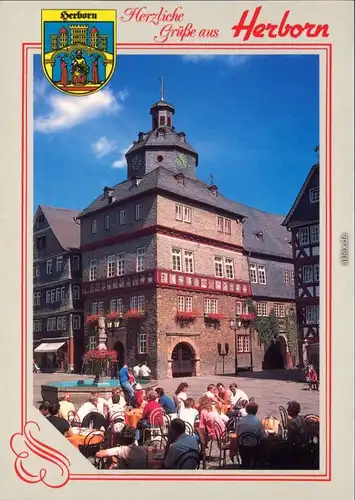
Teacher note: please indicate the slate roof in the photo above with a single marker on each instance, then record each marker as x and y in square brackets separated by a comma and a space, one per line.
[275, 285]
[273, 241]
[65, 229]
[172, 139]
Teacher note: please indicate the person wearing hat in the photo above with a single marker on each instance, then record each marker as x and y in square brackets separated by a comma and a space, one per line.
[139, 395]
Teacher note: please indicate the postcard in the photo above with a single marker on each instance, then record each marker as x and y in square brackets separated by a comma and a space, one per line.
[178, 248]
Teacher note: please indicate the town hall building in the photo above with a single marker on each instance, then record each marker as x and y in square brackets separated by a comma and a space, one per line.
[171, 263]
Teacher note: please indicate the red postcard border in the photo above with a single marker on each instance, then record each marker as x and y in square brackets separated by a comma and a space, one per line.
[27, 47]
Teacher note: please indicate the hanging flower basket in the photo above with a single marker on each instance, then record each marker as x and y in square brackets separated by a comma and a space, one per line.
[92, 319]
[247, 317]
[134, 314]
[214, 317]
[186, 316]
[100, 355]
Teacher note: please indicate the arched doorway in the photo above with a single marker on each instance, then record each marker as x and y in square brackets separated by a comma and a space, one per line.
[275, 356]
[183, 360]
[119, 348]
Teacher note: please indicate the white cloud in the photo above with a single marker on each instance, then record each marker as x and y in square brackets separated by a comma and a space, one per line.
[233, 60]
[40, 87]
[121, 162]
[103, 147]
[66, 112]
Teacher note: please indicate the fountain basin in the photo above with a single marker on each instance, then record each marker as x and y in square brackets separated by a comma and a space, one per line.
[80, 389]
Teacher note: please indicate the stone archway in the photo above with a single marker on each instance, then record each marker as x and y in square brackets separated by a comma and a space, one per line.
[119, 348]
[183, 360]
[275, 357]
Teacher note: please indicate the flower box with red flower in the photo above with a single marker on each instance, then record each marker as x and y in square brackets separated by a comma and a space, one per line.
[246, 317]
[114, 317]
[214, 317]
[100, 355]
[186, 315]
[134, 314]
[92, 319]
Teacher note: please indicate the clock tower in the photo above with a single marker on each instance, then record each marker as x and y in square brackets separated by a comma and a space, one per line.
[162, 146]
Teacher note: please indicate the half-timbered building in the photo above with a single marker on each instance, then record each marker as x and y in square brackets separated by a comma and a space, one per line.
[303, 223]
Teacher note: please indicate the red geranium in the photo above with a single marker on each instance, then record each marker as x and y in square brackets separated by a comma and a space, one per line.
[92, 319]
[113, 316]
[186, 315]
[134, 314]
[100, 355]
[247, 316]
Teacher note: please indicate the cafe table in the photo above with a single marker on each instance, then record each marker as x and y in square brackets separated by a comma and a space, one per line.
[133, 416]
[76, 436]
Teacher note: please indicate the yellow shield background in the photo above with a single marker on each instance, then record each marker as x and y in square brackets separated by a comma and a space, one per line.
[78, 49]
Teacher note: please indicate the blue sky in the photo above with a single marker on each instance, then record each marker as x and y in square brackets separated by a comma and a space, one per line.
[254, 120]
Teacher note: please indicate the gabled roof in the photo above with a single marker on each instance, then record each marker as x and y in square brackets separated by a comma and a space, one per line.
[63, 225]
[274, 239]
[300, 194]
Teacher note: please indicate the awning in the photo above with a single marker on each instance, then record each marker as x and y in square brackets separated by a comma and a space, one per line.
[53, 347]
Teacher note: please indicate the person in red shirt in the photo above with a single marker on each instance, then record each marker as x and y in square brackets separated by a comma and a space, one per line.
[313, 382]
[131, 377]
[152, 415]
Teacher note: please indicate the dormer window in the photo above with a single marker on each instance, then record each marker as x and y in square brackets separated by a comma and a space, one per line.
[180, 178]
[182, 137]
[259, 235]
[140, 136]
[214, 191]
[161, 133]
[107, 192]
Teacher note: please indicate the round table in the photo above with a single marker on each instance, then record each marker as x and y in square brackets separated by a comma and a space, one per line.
[132, 417]
[79, 439]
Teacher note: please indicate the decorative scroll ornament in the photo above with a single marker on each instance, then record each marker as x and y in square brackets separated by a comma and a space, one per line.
[36, 462]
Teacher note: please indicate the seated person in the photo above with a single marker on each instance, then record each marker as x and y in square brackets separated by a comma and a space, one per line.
[150, 407]
[224, 394]
[178, 444]
[251, 424]
[136, 369]
[145, 371]
[189, 413]
[167, 404]
[237, 394]
[44, 408]
[117, 390]
[59, 423]
[312, 376]
[65, 407]
[208, 416]
[238, 410]
[116, 413]
[130, 455]
[296, 427]
[102, 406]
[88, 407]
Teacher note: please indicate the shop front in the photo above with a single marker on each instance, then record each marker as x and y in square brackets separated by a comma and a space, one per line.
[51, 355]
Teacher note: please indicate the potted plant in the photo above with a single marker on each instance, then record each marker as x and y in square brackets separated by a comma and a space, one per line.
[134, 314]
[186, 315]
[247, 317]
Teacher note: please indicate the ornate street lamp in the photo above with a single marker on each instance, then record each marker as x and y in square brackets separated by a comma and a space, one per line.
[222, 353]
[235, 324]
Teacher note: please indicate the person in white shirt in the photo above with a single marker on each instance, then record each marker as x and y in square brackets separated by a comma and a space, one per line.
[180, 396]
[101, 403]
[189, 414]
[144, 371]
[136, 370]
[116, 390]
[237, 394]
[116, 413]
[88, 407]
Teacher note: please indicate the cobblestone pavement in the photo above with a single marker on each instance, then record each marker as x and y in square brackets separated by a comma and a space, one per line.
[270, 389]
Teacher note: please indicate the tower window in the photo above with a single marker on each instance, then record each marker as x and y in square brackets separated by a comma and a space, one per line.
[160, 158]
[169, 121]
[161, 120]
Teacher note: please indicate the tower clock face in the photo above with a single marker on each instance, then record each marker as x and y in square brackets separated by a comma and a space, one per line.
[136, 162]
[181, 161]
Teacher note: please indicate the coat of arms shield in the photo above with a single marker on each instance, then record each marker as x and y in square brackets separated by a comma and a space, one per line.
[78, 49]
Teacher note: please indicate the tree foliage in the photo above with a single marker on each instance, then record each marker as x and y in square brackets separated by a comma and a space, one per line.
[267, 327]
[292, 332]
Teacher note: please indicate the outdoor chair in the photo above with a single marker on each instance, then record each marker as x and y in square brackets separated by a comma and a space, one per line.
[223, 443]
[92, 444]
[73, 419]
[166, 423]
[232, 424]
[189, 429]
[249, 447]
[155, 429]
[95, 420]
[284, 420]
[190, 460]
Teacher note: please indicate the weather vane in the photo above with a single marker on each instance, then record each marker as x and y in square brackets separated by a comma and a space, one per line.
[162, 89]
